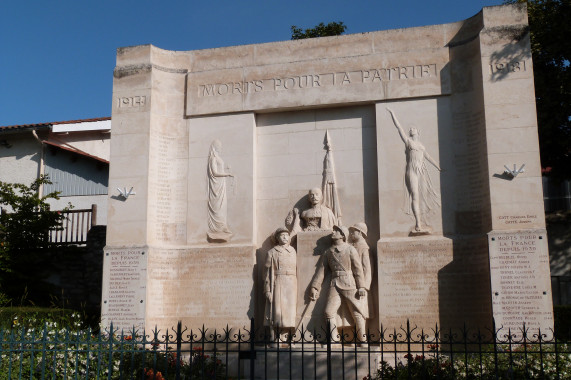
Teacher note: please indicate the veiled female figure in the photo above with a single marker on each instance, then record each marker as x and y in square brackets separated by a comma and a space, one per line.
[217, 203]
[421, 194]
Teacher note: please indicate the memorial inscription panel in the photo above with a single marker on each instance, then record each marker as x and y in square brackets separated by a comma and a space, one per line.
[434, 280]
[168, 188]
[469, 141]
[521, 287]
[124, 288]
[201, 285]
[338, 80]
[408, 279]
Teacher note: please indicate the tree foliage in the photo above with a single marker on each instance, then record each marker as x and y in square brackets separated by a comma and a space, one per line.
[321, 30]
[24, 226]
[550, 34]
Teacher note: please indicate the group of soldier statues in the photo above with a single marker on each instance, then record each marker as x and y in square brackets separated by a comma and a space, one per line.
[347, 261]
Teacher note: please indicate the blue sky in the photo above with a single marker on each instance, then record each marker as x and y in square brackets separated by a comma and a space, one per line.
[57, 57]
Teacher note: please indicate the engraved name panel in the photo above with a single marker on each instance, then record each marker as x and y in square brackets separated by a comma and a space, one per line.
[124, 288]
[201, 286]
[518, 220]
[168, 187]
[434, 280]
[521, 282]
[408, 279]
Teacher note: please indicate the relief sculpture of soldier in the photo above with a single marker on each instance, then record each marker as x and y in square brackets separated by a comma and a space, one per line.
[347, 285]
[317, 218]
[358, 235]
[280, 285]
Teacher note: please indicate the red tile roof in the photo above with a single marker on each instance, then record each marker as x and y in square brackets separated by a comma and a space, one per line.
[46, 125]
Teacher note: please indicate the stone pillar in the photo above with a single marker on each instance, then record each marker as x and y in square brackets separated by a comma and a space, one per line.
[159, 266]
[519, 262]
[126, 252]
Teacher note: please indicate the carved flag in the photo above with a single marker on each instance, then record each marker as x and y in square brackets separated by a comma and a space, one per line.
[329, 185]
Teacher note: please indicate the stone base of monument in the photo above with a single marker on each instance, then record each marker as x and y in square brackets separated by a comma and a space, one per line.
[295, 363]
[150, 287]
[434, 282]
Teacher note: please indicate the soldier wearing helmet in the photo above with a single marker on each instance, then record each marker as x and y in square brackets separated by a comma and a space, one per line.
[358, 235]
[280, 284]
[347, 280]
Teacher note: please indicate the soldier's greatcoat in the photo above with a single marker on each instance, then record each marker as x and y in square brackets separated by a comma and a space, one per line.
[344, 264]
[363, 250]
[281, 281]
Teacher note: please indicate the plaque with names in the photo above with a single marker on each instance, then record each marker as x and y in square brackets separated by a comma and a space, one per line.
[124, 288]
[408, 279]
[521, 282]
[434, 280]
[201, 286]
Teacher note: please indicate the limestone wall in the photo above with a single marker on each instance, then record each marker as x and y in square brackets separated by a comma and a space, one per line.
[221, 145]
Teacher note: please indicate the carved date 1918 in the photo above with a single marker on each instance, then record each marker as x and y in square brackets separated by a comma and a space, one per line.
[507, 67]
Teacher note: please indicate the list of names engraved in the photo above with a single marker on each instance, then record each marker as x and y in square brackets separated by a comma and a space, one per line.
[521, 288]
[168, 187]
[434, 280]
[124, 288]
[408, 277]
[201, 284]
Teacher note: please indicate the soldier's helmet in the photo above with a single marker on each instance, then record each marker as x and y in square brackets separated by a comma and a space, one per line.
[277, 233]
[344, 231]
[362, 227]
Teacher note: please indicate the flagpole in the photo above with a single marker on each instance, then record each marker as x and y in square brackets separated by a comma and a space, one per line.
[329, 185]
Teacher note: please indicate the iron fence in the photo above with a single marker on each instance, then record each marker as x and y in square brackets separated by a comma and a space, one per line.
[180, 353]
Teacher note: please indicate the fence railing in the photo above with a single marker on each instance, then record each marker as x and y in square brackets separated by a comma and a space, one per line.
[75, 226]
[180, 353]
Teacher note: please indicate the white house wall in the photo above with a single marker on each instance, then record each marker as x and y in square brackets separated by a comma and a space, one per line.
[21, 162]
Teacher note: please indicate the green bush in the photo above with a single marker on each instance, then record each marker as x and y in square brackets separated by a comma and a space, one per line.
[61, 351]
[24, 236]
[516, 361]
[37, 317]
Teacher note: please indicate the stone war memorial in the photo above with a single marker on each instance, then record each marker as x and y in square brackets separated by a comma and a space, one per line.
[361, 179]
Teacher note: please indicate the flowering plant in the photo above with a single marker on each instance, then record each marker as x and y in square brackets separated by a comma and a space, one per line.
[504, 361]
[59, 352]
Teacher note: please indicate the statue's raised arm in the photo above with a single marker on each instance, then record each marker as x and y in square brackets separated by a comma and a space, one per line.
[403, 136]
